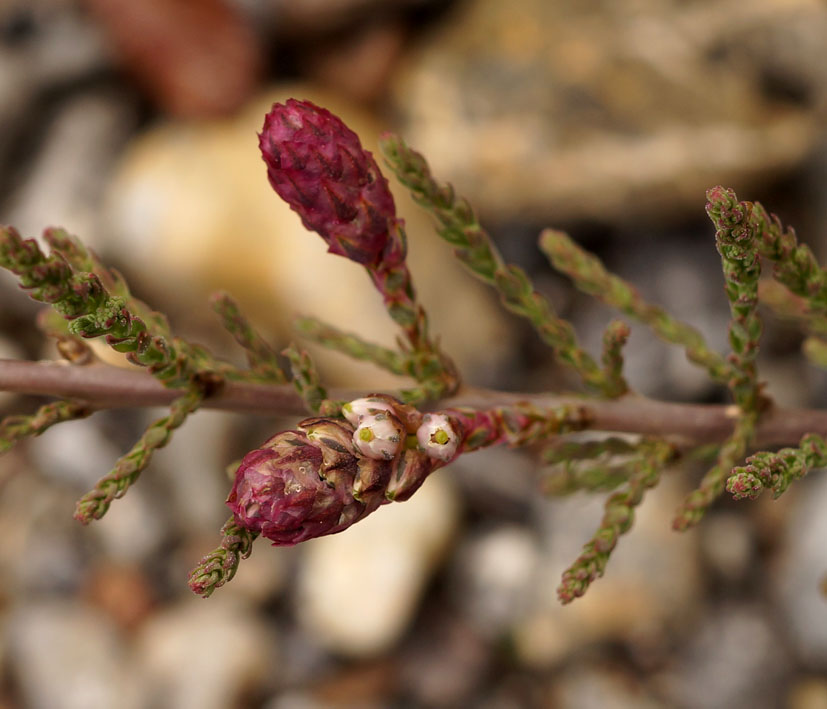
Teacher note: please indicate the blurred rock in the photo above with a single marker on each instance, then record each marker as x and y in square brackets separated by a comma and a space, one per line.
[196, 59]
[65, 184]
[122, 592]
[492, 492]
[495, 572]
[65, 656]
[799, 573]
[205, 655]
[733, 660]
[682, 282]
[560, 110]
[9, 349]
[445, 664]
[367, 685]
[808, 693]
[36, 516]
[192, 468]
[191, 211]
[135, 529]
[727, 544]
[43, 43]
[651, 583]
[360, 65]
[74, 453]
[314, 17]
[358, 590]
[599, 687]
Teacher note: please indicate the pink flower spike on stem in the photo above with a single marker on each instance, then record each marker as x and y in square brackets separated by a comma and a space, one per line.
[318, 166]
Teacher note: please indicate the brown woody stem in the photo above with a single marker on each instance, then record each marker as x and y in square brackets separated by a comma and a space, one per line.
[104, 386]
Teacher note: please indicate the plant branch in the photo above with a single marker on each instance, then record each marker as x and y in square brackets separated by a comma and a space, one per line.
[104, 386]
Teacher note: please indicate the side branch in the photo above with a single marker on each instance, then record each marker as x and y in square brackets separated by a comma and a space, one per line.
[104, 386]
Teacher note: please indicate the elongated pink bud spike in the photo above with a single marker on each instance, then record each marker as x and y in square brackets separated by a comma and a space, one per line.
[318, 166]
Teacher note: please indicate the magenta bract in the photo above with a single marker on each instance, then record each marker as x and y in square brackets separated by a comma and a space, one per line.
[318, 166]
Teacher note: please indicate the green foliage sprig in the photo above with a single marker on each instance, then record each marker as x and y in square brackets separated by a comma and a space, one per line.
[617, 520]
[735, 237]
[590, 276]
[591, 466]
[697, 503]
[777, 470]
[261, 357]
[95, 503]
[220, 565]
[458, 225]
[17, 427]
[81, 297]
[308, 383]
[794, 264]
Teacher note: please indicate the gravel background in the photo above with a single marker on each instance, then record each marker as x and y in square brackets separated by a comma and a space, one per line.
[133, 125]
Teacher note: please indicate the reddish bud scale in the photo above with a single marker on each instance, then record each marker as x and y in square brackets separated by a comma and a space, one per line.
[318, 166]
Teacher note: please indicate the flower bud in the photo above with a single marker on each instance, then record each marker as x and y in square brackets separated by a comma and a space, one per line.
[318, 166]
[437, 438]
[379, 436]
[354, 410]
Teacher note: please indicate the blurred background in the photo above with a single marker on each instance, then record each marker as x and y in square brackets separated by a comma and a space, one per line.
[133, 124]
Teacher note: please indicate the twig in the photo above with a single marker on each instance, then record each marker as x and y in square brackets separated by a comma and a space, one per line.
[105, 386]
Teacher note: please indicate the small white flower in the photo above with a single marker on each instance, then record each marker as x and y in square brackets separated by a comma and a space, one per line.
[354, 410]
[436, 436]
[379, 436]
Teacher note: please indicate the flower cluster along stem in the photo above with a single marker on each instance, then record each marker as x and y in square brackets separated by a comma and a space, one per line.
[458, 225]
[777, 470]
[220, 565]
[696, 504]
[735, 237]
[95, 503]
[617, 520]
[590, 276]
[15, 427]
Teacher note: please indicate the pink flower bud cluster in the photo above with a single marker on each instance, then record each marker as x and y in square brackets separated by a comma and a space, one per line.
[330, 473]
[318, 166]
